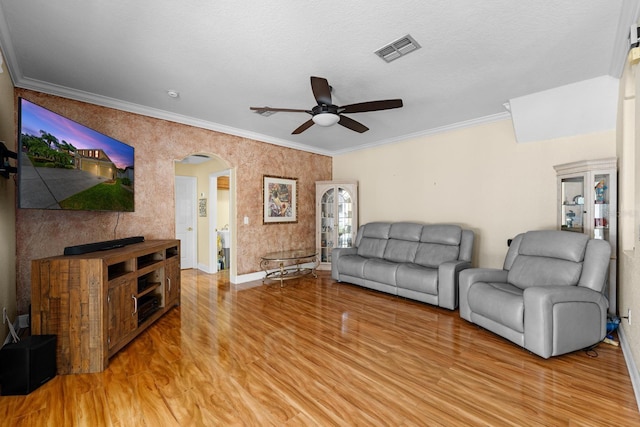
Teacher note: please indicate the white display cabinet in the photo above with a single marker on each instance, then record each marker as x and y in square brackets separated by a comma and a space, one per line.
[588, 203]
[336, 218]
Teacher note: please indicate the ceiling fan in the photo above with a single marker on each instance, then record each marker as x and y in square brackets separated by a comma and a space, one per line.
[328, 114]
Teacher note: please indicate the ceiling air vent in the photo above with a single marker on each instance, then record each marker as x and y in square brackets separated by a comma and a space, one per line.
[398, 48]
[265, 112]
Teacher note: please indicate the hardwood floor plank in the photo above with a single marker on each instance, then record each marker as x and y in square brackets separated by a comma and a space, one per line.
[318, 352]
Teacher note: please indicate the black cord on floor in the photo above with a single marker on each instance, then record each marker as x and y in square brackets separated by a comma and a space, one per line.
[591, 350]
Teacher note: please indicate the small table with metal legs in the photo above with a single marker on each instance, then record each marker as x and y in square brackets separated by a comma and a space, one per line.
[288, 264]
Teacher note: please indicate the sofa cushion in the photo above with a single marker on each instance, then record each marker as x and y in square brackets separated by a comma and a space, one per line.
[400, 250]
[381, 271]
[432, 254]
[374, 239]
[352, 265]
[528, 271]
[377, 230]
[500, 302]
[417, 278]
[547, 243]
[403, 241]
[438, 243]
[409, 231]
[444, 234]
[372, 248]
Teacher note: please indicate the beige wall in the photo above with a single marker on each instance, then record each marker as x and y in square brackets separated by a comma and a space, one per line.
[629, 257]
[223, 209]
[7, 205]
[477, 177]
[158, 144]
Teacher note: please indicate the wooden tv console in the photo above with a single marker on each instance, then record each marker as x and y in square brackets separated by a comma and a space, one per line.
[98, 302]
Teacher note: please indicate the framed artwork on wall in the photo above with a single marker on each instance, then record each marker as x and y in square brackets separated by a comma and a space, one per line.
[279, 199]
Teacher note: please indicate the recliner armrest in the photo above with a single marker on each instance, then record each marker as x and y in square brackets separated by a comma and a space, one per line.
[545, 304]
[448, 282]
[336, 253]
[471, 275]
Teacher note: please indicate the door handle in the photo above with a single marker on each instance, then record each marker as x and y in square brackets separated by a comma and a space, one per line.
[190, 229]
[135, 305]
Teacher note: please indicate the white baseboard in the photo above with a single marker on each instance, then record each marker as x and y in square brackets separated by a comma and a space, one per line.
[243, 278]
[205, 268]
[631, 365]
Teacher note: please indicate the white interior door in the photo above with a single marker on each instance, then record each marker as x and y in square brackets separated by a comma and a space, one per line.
[186, 219]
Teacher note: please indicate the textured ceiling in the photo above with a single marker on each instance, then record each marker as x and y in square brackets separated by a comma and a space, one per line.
[225, 56]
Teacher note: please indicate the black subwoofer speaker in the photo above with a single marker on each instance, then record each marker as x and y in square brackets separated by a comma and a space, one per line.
[27, 364]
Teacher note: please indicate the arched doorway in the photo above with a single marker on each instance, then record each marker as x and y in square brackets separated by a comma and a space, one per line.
[210, 204]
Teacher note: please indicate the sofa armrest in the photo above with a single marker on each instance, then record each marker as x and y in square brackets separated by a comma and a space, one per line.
[560, 319]
[336, 253]
[448, 283]
[471, 275]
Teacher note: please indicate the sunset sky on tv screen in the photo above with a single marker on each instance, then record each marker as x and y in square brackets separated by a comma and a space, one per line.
[35, 118]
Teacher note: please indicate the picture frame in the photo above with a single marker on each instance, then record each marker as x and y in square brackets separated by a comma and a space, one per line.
[279, 199]
[202, 207]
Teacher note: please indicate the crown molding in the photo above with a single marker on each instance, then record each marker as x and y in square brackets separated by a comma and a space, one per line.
[103, 101]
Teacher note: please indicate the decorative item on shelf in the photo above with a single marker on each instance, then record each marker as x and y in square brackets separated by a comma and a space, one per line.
[600, 222]
[579, 199]
[570, 216]
[600, 189]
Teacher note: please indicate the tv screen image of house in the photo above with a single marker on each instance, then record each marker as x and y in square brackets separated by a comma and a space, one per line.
[65, 165]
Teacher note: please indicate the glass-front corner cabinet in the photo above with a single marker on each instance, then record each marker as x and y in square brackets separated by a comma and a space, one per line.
[336, 218]
[588, 203]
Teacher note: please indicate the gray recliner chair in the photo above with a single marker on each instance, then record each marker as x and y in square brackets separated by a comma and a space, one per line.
[549, 296]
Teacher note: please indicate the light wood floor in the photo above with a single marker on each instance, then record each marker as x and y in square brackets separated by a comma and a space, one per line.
[321, 353]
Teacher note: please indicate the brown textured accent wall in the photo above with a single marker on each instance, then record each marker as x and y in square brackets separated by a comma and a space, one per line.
[158, 143]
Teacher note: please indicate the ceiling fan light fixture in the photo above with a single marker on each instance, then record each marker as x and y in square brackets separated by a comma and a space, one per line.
[325, 119]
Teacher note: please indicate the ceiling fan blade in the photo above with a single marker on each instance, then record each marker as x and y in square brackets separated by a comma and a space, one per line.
[362, 107]
[306, 125]
[352, 124]
[290, 110]
[321, 90]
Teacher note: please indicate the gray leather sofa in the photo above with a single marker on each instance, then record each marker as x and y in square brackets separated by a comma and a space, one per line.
[412, 260]
[549, 296]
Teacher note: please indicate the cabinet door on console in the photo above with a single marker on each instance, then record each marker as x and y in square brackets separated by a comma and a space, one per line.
[123, 317]
[172, 285]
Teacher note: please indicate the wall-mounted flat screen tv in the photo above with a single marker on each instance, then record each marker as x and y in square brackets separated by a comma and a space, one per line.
[65, 165]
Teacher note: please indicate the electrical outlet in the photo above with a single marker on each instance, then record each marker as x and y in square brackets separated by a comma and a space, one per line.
[629, 316]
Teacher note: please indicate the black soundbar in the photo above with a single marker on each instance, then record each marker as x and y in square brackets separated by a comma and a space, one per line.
[102, 246]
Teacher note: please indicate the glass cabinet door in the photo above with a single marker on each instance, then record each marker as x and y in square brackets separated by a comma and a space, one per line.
[601, 219]
[336, 218]
[326, 224]
[572, 215]
[345, 219]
